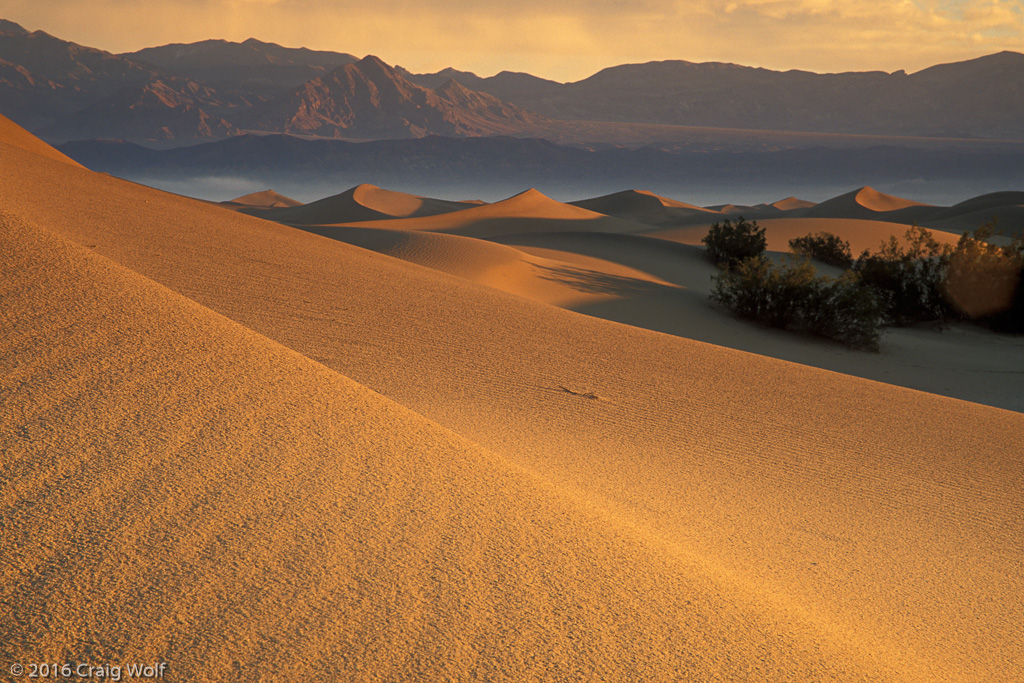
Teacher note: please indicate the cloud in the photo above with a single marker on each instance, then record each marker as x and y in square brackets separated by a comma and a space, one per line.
[566, 40]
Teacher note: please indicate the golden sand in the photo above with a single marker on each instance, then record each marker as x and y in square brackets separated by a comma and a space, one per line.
[253, 451]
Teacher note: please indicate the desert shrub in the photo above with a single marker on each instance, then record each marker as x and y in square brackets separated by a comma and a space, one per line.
[730, 243]
[791, 296]
[983, 281]
[843, 310]
[908, 280]
[825, 247]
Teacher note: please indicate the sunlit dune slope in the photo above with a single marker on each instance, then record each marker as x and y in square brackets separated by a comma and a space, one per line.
[14, 135]
[364, 203]
[529, 211]
[860, 233]
[546, 280]
[880, 526]
[180, 489]
[791, 204]
[869, 203]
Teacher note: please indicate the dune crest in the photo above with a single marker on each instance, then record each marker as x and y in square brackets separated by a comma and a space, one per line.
[265, 199]
[364, 203]
[528, 211]
[866, 202]
[13, 134]
[791, 204]
[644, 207]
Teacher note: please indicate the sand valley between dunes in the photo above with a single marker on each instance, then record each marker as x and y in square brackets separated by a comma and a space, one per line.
[383, 437]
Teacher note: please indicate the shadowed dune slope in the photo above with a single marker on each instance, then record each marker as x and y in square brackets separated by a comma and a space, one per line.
[548, 280]
[1009, 221]
[1006, 208]
[178, 488]
[267, 199]
[643, 207]
[664, 286]
[529, 211]
[985, 202]
[869, 203]
[855, 514]
[364, 203]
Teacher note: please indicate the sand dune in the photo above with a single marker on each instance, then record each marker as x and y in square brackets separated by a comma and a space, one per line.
[529, 211]
[860, 233]
[666, 289]
[869, 203]
[546, 280]
[14, 135]
[648, 283]
[992, 200]
[320, 530]
[791, 204]
[266, 199]
[565, 497]
[1006, 208]
[364, 203]
[644, 207]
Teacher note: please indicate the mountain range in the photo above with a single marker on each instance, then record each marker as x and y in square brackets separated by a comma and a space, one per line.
[177, 94]
[982, 97]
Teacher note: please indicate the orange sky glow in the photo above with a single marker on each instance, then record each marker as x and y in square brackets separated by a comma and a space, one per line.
[564, 41]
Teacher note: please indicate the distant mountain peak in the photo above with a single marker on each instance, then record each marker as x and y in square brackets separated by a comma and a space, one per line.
[9, 28]
[374, 60]
[370, 99]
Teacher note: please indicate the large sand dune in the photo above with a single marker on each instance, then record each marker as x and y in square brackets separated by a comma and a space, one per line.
[181, 489]
[531, 493]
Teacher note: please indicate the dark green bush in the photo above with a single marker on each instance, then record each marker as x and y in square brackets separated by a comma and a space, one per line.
[983, 281]
[730, 243]
[825, 247]
[792, 297]
[908, 280]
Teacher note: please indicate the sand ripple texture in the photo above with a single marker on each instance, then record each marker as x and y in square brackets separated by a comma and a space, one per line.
[260, 453]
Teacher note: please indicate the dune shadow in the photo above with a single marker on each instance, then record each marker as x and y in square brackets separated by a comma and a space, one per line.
[597, 282]
[679, 264]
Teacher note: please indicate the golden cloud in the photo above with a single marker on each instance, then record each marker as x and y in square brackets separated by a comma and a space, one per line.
[567, 40]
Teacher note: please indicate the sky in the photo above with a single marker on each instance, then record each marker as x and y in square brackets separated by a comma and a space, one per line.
[564, 40]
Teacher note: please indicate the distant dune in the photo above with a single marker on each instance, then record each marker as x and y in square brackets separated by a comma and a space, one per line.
[642, 206]
[529, 211]
[791, 204]
[860, 233]
[265, 199]
[251, 451]
[364, 203]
